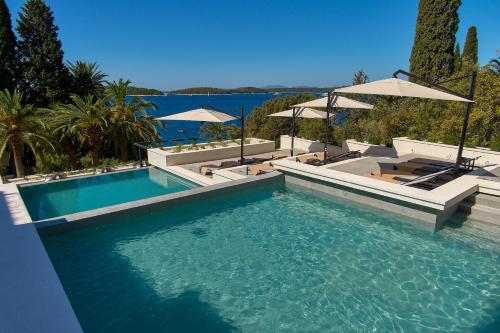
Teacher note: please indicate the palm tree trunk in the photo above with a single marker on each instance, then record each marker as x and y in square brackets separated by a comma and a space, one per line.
[18, 160]
[95, 156]
[124, 150]
[70, 147]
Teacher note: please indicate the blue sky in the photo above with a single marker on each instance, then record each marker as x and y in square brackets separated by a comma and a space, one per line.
[184, 43]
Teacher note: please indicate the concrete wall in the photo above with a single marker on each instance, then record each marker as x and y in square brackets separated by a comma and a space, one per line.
[367, 148]
[407, 146]
[305, 145]
[162, 158]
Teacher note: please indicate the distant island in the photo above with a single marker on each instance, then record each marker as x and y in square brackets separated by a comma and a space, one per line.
[143, 91]
[248, 90]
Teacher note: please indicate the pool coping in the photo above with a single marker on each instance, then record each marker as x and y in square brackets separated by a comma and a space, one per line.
[102, 215]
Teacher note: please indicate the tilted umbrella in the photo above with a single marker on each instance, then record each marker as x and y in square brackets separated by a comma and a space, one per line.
[210, 115]
[301, 112]
[334, 102]
[340, 102]
[401, 88]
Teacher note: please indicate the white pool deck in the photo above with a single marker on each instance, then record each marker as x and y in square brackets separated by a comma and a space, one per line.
[32, 298]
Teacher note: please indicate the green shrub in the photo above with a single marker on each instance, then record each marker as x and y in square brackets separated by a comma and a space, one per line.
[178, 148]
[109, 163]
[212, 144]
[374, 140]
[48, 162]
[495, 144]
[86, 161]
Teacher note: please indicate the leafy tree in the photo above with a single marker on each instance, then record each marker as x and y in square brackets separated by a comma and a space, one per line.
[7, 48]
[86, 117]
[457, 61]
[129, 119]
[432, 52]
[20, 127]
[43, 78]
[470, 47]
[259, 125]
[87, 78]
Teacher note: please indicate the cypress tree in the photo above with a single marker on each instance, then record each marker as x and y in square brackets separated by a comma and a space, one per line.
[437, 24]
[43, 77]
[457, 62]
[470, 47]
[7, 48]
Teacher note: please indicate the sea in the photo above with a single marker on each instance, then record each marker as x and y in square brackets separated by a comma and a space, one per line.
[231, 103]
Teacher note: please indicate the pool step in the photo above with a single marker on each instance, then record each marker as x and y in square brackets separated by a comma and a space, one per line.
[481, 212]
[482, 199]
[486, 234]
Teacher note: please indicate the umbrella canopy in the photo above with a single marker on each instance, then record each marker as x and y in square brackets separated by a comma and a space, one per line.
[402, 88]
[339, 102]
[302, 113]
[201, 114]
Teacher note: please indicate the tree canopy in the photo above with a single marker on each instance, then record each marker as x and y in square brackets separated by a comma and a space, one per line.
[43, 78]
[7, 48]
[469, 54]
[433, 46]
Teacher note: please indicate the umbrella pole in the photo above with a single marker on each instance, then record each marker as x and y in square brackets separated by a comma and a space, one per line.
[242, 135]
[327, 126]
[468, 108]
[293, 131]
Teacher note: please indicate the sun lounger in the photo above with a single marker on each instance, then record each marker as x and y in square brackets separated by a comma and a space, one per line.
[279, 156]
[229, 164]
[208, 168]
[427, 178]
[305, 158]
[257, 169]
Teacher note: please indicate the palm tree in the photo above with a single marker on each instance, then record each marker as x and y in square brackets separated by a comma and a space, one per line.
[129, 118]
[494, 65]
[360, 77]
[85, 117]
[20, 126]
[87, 78]
[214, 131]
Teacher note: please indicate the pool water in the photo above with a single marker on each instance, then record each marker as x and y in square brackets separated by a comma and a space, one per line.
[276, 259]
[77, 195]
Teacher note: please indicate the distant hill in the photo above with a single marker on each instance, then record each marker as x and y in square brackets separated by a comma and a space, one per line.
[249, 90]
[143, 91]
[212, 90]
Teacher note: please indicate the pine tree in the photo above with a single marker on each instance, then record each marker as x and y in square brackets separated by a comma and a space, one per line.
[432, 53]
[457, 62]
[7, 49]
[43, 77]
[470, 47]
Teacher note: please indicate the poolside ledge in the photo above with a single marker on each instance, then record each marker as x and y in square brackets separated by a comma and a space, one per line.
[32, 297]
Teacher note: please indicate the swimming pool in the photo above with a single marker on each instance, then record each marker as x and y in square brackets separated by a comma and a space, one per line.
[70, 196]
[275, 259]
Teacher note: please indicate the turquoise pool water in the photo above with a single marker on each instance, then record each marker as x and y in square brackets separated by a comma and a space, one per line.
[77, 195]
[276, 259]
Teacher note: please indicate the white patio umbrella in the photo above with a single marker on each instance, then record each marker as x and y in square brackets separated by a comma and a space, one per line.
[301, 112]
[336, 102]
[340, 102]
[201, 114]
[402, 88]
[210, 115]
